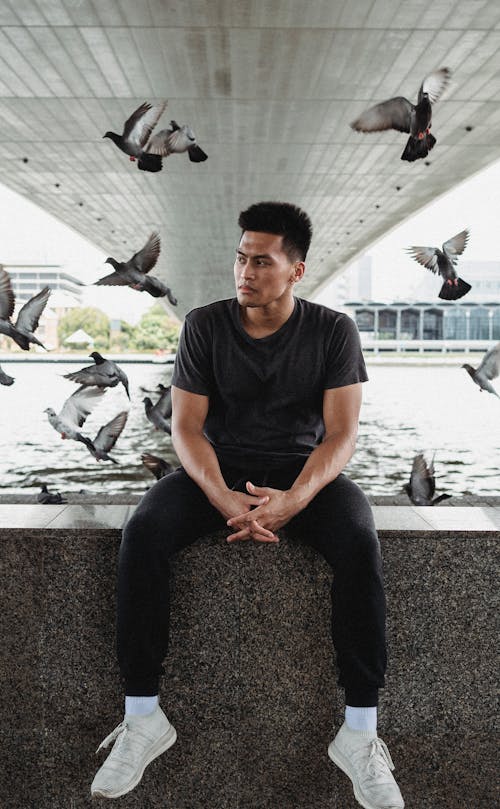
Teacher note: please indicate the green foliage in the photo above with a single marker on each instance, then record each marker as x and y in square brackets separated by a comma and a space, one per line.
[91, 320]
[156, 330]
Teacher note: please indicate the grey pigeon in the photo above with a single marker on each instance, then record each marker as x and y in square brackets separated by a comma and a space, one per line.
[176, 139]
[400, 114]
[487, 370]
[46, 497]
[422, 483]
[443, 262]
[74, 412]
[157, 466]
[136, 133]
[5, 379]
[107, 437]
[133, 273]
[159, 414]
[22, 332]
[104, 374]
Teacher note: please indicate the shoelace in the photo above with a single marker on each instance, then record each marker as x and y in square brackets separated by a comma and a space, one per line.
[121, 728]
[379, 758]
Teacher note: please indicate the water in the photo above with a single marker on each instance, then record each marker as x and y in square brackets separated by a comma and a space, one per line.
[406, 409]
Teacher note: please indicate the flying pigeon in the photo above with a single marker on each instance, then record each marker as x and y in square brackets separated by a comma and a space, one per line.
[5, 379]
[157, 466]
[104, 374]
[133, 273]
[488, 369]
[160, 413]
[29, 314]
[107, 437]
[400, 114]
[74, 412]
[176, 140]
[443, 262]
[159, 388]
[136, 133]
[46, 497]
[422, 483]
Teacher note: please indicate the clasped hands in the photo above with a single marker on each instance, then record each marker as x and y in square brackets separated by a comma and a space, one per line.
[264, 512]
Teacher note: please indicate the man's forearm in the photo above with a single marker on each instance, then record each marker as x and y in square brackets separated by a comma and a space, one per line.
[324, 464]
[198, 458]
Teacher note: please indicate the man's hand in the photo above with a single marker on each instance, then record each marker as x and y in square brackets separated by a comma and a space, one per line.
[261, 523]
[234, 504]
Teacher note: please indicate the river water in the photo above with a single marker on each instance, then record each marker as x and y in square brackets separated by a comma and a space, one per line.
[406, 409]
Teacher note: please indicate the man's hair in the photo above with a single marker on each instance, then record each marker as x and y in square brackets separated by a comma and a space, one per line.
[282, 219]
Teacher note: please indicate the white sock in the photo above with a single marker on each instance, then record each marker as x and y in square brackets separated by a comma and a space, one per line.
[361, 718]
[140, 706]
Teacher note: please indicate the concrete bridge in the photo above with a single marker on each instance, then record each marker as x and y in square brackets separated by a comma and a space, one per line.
[270, 89]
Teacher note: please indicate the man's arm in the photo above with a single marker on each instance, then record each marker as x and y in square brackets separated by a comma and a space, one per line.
[341, 408]
[197, 456]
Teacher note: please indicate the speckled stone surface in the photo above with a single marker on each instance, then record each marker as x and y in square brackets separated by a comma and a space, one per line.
[250, 681]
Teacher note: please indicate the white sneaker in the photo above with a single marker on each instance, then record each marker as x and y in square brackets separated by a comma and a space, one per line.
[139, 740]
[366, 760]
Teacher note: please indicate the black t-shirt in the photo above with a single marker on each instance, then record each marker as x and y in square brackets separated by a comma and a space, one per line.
[266, 394]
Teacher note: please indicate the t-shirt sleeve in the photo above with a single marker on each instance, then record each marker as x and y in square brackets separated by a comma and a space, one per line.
[193, 362]
[345, 364]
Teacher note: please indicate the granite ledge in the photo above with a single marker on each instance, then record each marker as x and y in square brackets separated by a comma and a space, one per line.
[415, 521]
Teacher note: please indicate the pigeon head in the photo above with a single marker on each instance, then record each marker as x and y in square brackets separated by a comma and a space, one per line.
[50, 411]
[470, 370]
[113, 135]
[98, 358]
[44, 487]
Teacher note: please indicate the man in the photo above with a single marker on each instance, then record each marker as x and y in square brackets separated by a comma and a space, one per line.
[266, 394]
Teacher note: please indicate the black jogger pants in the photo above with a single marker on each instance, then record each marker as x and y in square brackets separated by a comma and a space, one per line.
[338, 523]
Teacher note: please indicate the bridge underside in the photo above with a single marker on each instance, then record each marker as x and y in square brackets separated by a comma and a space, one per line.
[270, 89]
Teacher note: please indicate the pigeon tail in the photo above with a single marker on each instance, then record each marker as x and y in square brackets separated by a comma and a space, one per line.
[415, 149]
[196, 155]
[451, 292]
[441, 497]
[149, 162]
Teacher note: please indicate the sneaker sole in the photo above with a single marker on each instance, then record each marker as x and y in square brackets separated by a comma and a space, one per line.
[163, 743]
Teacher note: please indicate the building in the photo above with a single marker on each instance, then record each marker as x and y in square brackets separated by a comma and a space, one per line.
[66, 294]
[29, 279]
[407, 326]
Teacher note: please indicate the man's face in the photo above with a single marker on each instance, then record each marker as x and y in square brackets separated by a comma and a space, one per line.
[263, 272]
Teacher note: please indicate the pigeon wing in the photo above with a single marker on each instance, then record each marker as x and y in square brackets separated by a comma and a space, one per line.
[114, 279]
[78, 406]
[490, 364]
[159, 143]
[392, 114]
[426, 256]
[138, 128]
[29, 314]
[421, 479]
[145, 259]
[109, 433]
[435, 84]
[7, 298]
[157, 466]
[455, 247]
[164, 403]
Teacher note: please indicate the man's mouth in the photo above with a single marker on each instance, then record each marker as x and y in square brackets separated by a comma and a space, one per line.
[245, 288]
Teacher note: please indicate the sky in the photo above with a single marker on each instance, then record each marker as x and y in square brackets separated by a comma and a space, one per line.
[30, 235]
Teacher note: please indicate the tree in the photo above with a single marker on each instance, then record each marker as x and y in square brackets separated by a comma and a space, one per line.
[155, 331]
[91, 320]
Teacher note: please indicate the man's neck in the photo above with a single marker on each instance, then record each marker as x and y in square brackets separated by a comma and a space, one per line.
[261, 321]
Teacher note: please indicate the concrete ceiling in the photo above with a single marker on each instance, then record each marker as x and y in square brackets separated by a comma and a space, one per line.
[270, 87]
